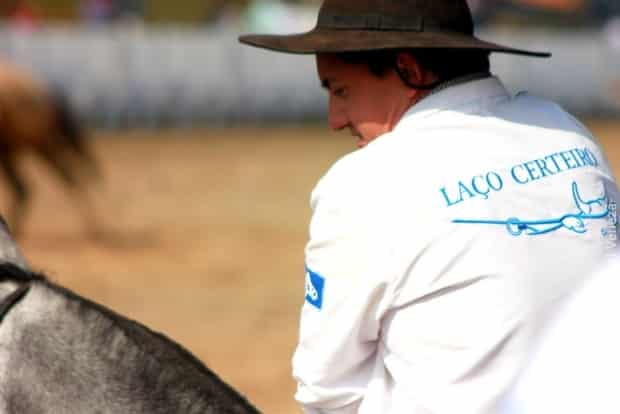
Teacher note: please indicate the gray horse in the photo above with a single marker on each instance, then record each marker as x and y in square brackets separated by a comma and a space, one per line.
[61, 353]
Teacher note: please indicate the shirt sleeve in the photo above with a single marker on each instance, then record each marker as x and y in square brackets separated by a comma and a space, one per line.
[345, 294]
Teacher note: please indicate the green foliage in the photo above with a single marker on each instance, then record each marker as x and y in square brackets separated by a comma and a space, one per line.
[157, 11]
[55, 9]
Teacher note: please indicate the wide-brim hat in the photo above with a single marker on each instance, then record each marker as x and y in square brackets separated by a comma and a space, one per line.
[364, 25]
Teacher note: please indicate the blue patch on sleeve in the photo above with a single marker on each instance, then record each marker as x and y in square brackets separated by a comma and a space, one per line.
[315, 285]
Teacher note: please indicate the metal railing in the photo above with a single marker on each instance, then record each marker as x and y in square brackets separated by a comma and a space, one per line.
[141, 77]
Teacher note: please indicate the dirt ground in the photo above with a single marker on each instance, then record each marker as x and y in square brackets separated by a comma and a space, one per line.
[205, 235]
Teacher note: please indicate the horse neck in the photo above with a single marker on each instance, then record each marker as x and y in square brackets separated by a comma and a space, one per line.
[141, 371]
[8, 288]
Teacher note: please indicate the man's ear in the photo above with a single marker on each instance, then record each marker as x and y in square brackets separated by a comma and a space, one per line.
[414, 75]
[410, 68]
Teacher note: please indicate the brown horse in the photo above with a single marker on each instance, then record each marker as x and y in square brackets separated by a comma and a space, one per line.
[34, 119]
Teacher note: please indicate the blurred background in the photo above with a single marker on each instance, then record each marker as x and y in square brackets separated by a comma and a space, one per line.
[208, 150]
[156, 63]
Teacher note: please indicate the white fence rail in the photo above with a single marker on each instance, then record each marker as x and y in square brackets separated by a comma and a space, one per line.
[125, 77]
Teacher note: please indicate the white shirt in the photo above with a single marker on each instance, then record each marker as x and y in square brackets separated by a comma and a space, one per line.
[575, 369]
[436, 251]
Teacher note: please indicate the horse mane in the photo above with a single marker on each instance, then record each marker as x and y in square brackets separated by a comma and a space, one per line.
[152, 344]
[12, 272]
[9, 271]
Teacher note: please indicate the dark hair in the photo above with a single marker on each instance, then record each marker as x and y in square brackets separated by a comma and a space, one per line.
[446, 64]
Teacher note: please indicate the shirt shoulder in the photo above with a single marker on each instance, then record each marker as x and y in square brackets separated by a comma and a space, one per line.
[536, 111]
[351, 178]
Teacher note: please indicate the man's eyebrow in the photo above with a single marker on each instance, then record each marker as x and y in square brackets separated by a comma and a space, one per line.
[325, 83]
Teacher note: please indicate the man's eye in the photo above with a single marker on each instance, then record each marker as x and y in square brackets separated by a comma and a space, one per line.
[340, 92]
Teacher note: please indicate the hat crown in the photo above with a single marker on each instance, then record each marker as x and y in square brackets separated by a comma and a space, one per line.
[363, 25]
[407, 15]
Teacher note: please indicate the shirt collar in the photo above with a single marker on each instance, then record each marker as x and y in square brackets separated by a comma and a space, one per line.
[454, 97]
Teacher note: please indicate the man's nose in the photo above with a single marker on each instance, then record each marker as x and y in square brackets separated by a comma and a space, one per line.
[336, 117]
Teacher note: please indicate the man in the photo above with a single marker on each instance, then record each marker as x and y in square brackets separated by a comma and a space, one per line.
[437, 248]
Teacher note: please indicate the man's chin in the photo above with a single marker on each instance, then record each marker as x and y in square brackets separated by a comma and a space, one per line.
[361, 143]
[362, 140]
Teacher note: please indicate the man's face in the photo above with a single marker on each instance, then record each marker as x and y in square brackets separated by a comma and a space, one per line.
[367, 105]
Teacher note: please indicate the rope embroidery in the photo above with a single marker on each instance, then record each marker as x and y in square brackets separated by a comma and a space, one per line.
[594, 209]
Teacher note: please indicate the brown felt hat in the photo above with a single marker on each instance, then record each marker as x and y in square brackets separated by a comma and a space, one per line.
[361, 25]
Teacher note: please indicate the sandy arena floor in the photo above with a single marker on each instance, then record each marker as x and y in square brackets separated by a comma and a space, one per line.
[205, 235]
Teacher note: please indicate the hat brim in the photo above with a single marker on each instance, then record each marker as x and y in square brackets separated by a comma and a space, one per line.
[322, 40]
